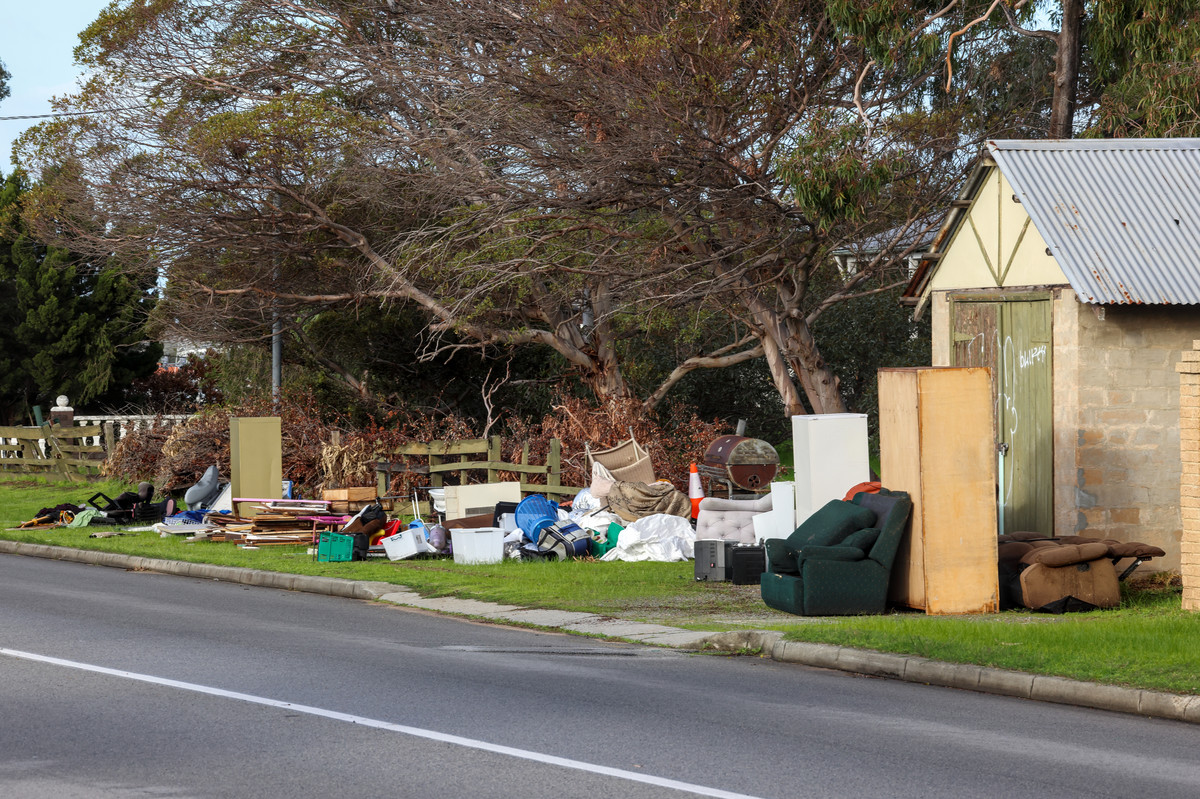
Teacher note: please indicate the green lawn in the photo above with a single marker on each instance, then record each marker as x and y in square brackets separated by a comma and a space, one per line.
[1149, 642]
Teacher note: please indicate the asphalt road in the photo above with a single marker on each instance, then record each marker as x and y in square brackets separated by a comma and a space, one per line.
[116, 684]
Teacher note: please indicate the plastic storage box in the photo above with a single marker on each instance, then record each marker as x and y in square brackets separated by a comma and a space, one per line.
[478, 545]
[335, 547]
[401, 545]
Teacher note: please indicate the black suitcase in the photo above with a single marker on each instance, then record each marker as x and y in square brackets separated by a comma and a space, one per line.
[747, 565]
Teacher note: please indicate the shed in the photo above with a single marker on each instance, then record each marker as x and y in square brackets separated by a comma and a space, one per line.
[1072, 270]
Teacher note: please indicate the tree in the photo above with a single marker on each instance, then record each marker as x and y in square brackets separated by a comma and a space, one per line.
[1148, 57]
[5, 77]
[69, 325]
[525, 173]
[1131, 65]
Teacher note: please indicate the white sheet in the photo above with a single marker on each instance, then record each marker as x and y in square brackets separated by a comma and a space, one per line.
[660, 537]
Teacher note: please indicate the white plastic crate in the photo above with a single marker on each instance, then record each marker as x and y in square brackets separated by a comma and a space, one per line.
[478, 545]
[401, 545]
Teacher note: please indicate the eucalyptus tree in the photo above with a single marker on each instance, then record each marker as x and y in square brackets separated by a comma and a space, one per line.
[525, 172]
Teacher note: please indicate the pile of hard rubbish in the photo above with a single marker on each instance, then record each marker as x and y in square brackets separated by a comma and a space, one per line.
[625, 514]
[636, 521]
[127, 508]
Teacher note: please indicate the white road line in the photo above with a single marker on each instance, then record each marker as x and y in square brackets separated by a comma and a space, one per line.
[431, 735]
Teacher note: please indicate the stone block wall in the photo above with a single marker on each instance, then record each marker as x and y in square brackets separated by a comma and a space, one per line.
[1189, 485]
[1127, 434]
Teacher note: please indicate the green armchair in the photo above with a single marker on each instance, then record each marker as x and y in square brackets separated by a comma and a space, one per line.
[838, 562]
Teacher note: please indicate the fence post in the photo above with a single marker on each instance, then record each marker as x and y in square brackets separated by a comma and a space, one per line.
[435, 478]
[110, 437]
[493, 456]
[554, 464]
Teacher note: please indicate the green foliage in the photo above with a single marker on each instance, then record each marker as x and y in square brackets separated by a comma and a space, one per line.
[70, 326]
[866, 334]
[1147, 54]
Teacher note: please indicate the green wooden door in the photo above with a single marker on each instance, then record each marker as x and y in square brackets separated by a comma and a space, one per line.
[1012, 338]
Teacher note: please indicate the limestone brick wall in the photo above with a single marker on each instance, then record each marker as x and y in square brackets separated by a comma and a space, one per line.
[1127, 438]
[1189, 486]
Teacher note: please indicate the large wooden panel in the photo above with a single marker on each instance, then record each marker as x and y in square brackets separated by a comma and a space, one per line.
[959, 500]
[900, 470]
[256, 457]
[936, 442]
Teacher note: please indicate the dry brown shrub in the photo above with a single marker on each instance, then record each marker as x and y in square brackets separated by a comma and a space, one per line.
[353, 461]
[674, 437]
[136, 455]
[175, 459]
[192, 447]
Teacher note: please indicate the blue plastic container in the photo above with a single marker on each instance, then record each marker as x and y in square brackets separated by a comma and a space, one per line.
[534, 513]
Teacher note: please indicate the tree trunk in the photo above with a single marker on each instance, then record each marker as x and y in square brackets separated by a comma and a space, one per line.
[792, 354]
[792, 406]
[819, 382]
[1066, 71]
[606, 382]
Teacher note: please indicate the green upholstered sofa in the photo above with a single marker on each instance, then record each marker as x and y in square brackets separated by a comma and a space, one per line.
[838, 562]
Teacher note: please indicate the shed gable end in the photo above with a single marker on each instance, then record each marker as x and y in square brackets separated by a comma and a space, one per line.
[996, 245]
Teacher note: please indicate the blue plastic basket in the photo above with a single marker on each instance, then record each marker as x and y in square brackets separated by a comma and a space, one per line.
[534, 513]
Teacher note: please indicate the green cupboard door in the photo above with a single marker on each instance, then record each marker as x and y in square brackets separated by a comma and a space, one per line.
[1024, 415]
[1012, 338]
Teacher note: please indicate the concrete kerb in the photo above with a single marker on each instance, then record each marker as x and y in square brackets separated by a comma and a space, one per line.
[1059, 690]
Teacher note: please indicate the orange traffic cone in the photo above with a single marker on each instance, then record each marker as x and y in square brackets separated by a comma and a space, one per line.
[695, 490]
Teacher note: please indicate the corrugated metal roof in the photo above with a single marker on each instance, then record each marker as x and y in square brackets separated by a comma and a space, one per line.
[1121, 216]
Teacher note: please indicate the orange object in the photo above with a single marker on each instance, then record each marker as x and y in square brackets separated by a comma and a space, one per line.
[695, 490]
[863, 488]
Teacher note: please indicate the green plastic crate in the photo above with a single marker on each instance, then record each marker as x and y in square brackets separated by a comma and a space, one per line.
[335, 547]
[599, 548]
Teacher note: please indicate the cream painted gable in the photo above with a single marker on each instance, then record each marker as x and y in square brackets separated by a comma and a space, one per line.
[996, 246]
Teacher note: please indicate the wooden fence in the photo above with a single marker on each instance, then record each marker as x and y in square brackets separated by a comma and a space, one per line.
[439, 458]
[51, 451]
[68, 452]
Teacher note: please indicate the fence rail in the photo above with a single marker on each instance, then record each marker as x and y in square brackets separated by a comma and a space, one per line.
[62, 452]
[459, 458]
[51, 451]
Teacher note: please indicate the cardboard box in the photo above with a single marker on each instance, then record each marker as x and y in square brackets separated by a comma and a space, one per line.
[360, 494]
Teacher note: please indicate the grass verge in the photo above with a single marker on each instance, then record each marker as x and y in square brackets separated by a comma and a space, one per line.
[1149, 642]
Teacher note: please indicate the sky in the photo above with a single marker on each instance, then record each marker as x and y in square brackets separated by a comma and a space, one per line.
[36, 44]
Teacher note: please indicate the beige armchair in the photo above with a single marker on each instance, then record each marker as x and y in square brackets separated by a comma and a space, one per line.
[730, 519]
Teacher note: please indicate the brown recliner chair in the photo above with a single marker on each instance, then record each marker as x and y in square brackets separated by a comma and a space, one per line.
[1082, 571]
[1069, 573]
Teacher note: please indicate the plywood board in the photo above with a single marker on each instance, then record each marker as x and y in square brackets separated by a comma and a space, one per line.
[900, 470]
[352, 494]
[256, 457]
[958, 514]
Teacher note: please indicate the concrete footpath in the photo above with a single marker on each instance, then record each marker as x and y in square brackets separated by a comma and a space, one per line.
[767, 644]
